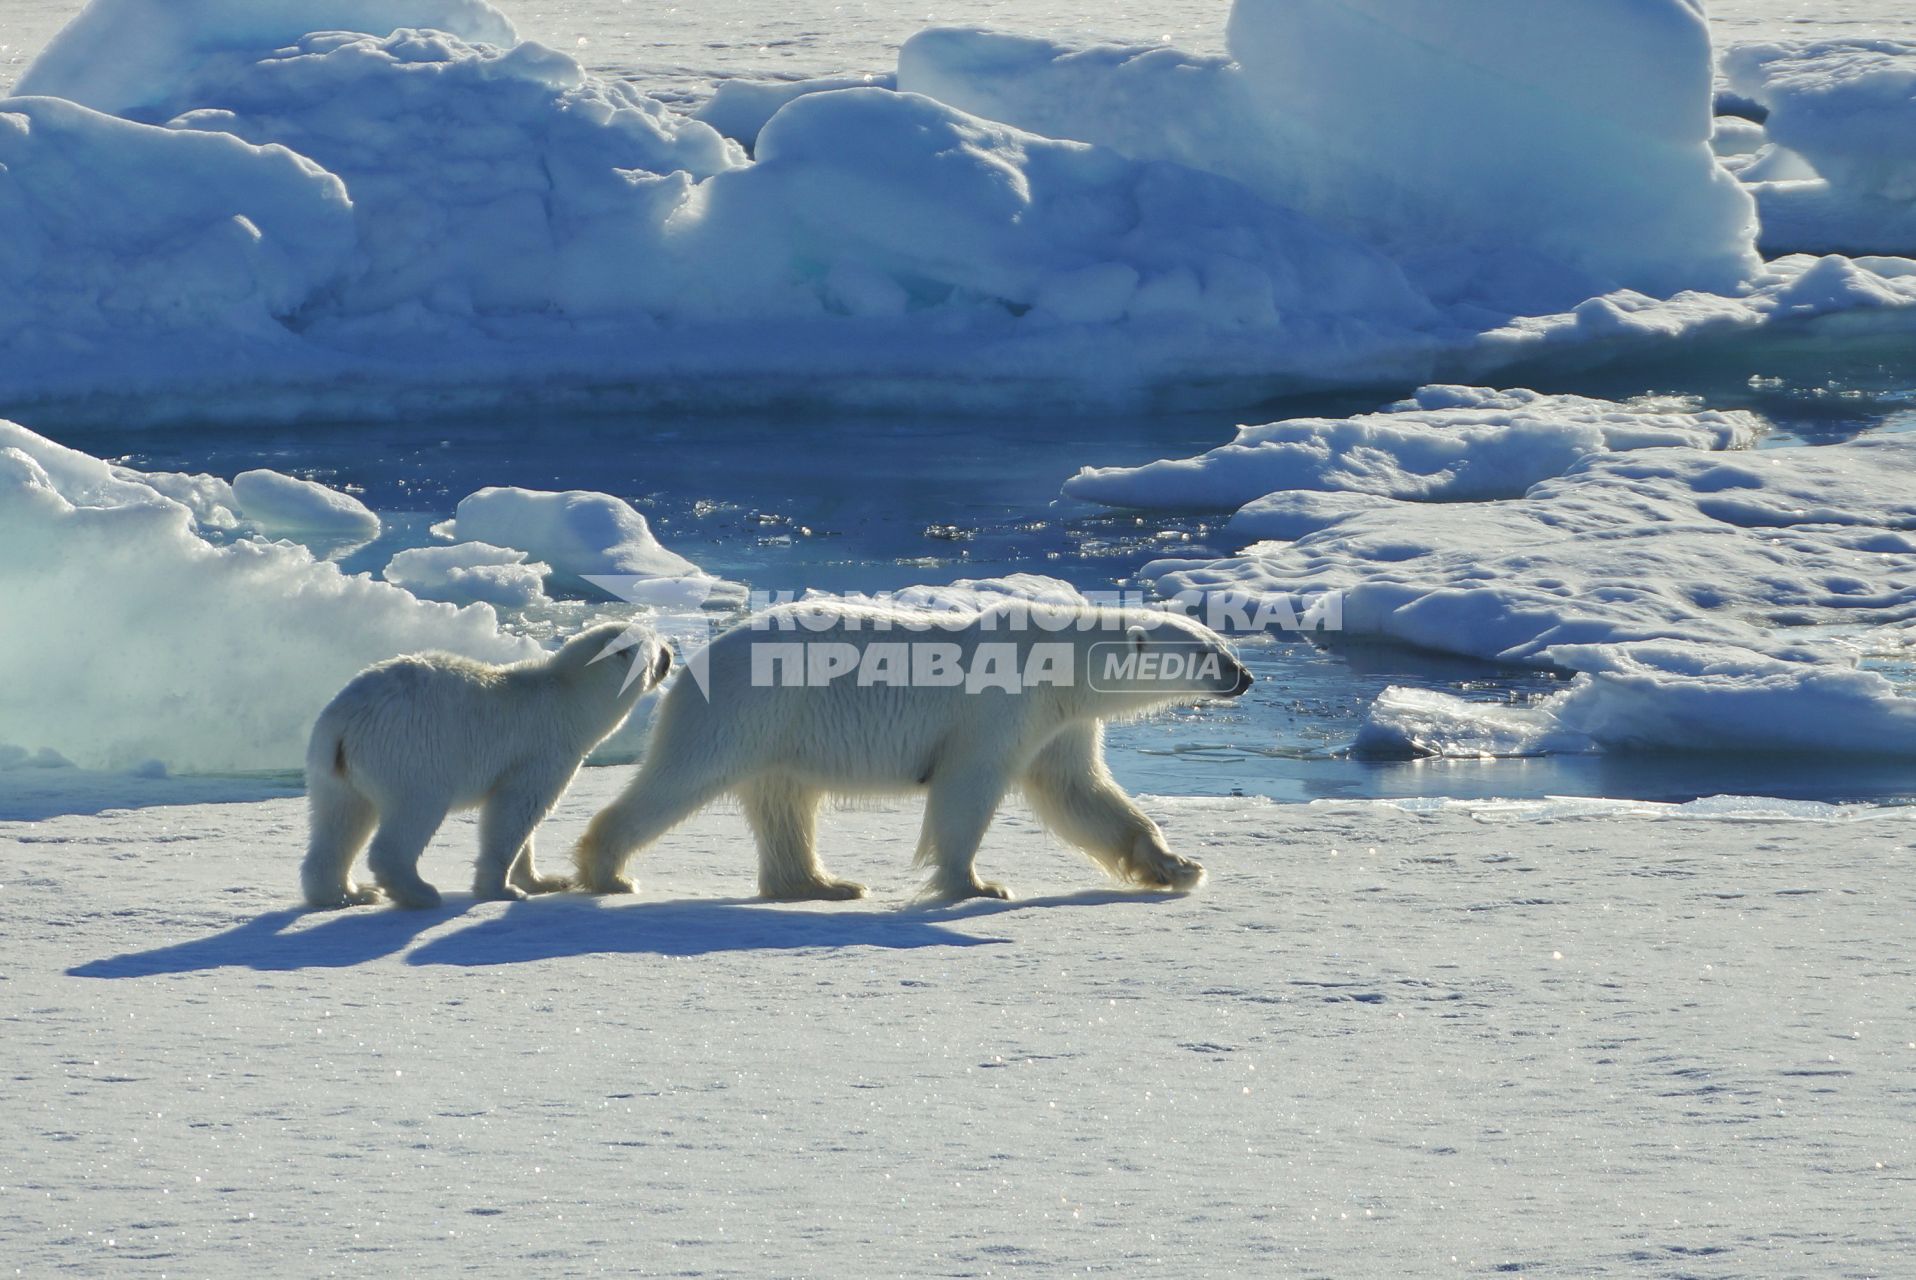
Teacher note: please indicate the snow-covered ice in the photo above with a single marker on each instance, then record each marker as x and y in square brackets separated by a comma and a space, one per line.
[1472, 1040]
[1669, 696]
[1708, 601]
[1845, 110]
[145, 640]
[576, 534]
[279, 503]
[1392, 122]
[740, 108]
[471, 572]
[1445, 444]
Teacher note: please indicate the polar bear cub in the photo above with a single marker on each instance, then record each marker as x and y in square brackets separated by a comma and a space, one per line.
[409, 740]
[841, 699]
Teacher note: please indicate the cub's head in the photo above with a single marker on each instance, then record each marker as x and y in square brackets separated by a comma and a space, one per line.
[613, 664]
[1144, 657]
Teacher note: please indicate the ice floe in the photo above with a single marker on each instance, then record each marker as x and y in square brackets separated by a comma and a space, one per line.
[1445, 444]
[470, 573]
[577, 534]
[278, 503]
[1702, 601]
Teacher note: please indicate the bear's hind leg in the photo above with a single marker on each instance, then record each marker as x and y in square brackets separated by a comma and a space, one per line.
[1078, 799]
[341, 820]
[506, 823]
[960, 807]
[784, 818]
[658, 799]
[402, 837]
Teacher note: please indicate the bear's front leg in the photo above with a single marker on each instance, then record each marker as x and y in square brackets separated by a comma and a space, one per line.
[506, 823]
[963, 800]
[1077, 798]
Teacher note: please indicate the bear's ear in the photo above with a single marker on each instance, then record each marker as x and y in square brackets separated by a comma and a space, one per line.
[1138, 637]
[662, 664]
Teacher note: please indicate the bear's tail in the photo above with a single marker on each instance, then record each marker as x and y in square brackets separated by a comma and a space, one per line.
[340, 821]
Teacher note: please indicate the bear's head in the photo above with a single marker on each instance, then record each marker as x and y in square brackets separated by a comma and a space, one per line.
[608, 668]
[1136, 659]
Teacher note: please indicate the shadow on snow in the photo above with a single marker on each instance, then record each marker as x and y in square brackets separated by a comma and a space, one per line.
[554, 928]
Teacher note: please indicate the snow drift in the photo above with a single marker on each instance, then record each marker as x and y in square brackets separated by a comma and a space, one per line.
[129, 637]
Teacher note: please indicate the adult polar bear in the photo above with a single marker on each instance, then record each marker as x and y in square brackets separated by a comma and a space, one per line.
[822, 698]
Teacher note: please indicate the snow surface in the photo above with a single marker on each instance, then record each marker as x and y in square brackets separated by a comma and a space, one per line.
[1708, 601]
[465, 218]
[146, 641]
[1446, 444]
[1471, 1040]
[575, 534]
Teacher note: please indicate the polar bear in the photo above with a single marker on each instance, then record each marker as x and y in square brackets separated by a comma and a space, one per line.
[408, 740]
[843, 699]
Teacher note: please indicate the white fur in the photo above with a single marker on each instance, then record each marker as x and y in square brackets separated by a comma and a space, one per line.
[781, 750]
[410, 740]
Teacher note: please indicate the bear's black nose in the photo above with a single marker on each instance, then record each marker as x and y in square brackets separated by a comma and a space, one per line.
[1244, 681]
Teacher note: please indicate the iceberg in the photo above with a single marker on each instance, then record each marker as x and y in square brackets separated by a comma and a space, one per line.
[1845, 112]
[1570, 159]
[129, 249]
[237, 212]
[134, 638]
[132, 57]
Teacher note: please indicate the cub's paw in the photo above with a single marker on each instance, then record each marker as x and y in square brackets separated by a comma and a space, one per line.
[413, 897]
[353, 895]
[940, 892]
[815, 891]
[609, 884]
